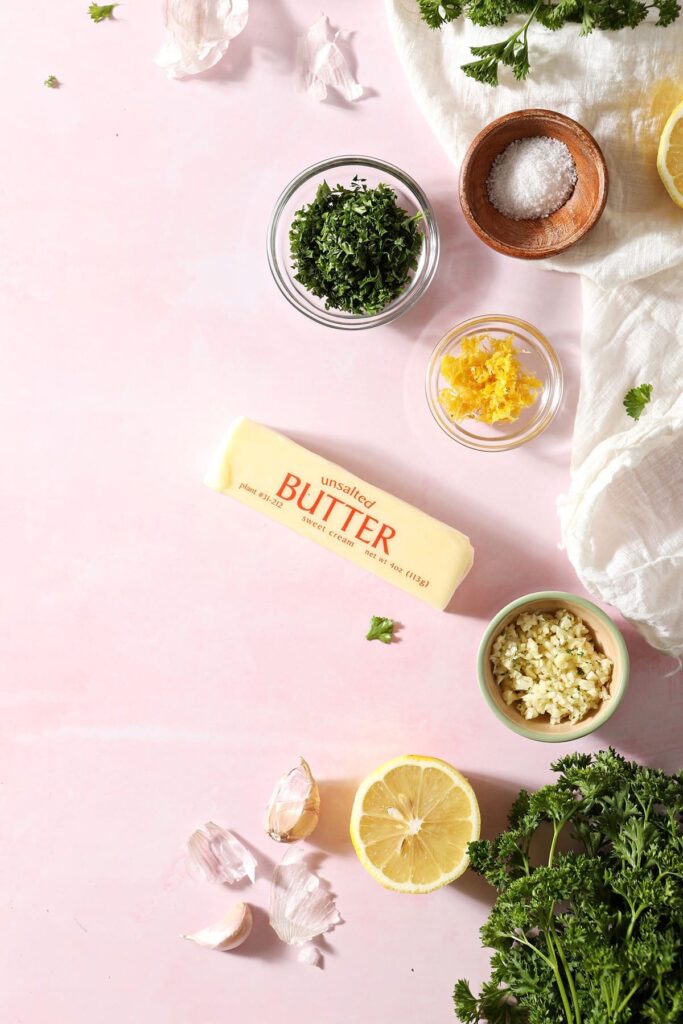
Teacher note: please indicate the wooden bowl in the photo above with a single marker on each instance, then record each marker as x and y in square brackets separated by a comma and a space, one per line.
[548, 236]
[607, 639]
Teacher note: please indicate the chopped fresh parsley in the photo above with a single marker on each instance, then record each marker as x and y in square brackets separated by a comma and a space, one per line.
[52, 82]
[354, 247]
[593, 935]
[99, 12]
[381, 629]
[513, 51]
[636, 399]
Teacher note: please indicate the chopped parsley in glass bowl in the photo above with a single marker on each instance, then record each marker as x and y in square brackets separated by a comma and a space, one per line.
[353, 242]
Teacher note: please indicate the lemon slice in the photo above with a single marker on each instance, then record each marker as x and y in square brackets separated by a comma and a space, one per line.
[670, 155]
[411, 822]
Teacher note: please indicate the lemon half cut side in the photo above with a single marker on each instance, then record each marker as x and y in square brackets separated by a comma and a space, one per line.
[411, 822]
[670, 155]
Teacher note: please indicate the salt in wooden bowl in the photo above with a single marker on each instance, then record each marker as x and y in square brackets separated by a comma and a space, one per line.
[547, 236]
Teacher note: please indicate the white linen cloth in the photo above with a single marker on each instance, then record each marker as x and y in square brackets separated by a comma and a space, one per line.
[622, 519]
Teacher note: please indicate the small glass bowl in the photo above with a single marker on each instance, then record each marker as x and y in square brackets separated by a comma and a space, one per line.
[301, 191]
[535, 355]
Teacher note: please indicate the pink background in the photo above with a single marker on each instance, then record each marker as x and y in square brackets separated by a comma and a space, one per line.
[166, 653]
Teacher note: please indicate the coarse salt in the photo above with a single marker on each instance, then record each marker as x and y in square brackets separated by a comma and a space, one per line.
[531, 178]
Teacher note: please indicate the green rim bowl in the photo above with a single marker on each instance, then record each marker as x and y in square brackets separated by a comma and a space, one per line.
[608, 640]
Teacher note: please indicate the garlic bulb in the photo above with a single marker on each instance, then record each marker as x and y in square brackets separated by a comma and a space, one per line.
[219, 855]
[227, 934]
[294, 806]
[301, 906]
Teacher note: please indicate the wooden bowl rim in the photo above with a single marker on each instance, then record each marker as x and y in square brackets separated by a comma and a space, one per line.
[511, 718]
[546, 116]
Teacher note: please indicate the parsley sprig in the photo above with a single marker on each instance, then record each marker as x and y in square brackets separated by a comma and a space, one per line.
[101, 12]
[354, 247]
[636, 399]
[513, 51]
[592, 936]
[381, 629]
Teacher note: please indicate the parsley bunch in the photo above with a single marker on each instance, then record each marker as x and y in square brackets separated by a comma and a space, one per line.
[593, 936]
[354, 247]
[553, 14]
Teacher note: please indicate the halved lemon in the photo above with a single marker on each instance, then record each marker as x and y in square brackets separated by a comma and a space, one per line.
[670, 155]
[411, 822]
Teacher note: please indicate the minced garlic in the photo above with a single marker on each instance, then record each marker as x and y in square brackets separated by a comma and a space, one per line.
[486, 381]
[546, 664]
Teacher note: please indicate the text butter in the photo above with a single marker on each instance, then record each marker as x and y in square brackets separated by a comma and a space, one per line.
[343, 513]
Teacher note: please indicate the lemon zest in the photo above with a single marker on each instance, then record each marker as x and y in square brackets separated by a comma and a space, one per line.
[486, 381]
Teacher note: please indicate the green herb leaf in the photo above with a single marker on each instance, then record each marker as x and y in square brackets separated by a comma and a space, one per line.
[52, 82]
[99, 12]
[636, 399]
[436, 13]
[354, 247]
[591, 935]
[381, 629]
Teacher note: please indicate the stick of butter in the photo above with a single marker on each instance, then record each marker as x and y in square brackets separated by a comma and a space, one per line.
[322, 501]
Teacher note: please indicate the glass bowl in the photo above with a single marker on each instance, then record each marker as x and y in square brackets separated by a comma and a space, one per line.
[301, 191]
[535, 355]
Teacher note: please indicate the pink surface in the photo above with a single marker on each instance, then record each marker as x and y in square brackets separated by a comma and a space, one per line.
[166, 653]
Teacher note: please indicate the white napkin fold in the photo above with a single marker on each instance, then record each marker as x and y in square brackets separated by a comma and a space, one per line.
[622, 519]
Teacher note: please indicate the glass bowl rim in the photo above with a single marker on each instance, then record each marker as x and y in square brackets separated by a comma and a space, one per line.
[408, 297]
[556, 381]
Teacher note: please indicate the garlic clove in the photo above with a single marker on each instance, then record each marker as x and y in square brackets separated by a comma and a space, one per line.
[294, 806]
[301, 904]
[229, 933]
[219, 855]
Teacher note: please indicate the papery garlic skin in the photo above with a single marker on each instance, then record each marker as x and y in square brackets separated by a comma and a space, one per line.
[301, 906]
[311, 955]
[321, 63]
[227, 934]
[219, 855]
[199, 33]
[294, 806]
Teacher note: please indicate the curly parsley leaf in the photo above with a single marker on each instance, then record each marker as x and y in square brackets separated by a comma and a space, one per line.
[636, 399]
[100, 12]
[52, 82]
[354, 247]
[381, 629]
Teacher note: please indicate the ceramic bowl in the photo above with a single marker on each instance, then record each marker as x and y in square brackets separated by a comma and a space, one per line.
[547, 236]
[607, 639]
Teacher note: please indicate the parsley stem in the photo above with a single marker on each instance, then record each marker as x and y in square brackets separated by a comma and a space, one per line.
[552, 964]
[570, 979]
[525, 27]
[625, 1001]
[530, 19]
[558, 977]
[556, 832]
